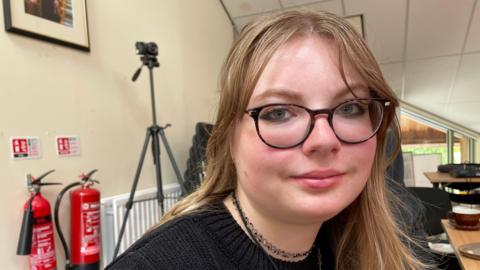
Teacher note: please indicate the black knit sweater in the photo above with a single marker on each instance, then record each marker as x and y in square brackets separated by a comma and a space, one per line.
[211, 239]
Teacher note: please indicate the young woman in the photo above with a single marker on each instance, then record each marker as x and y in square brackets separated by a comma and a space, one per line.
[296, 161]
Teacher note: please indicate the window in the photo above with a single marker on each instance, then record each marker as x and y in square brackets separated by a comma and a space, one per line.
[421, 139]
[460, 149]
[430, 141]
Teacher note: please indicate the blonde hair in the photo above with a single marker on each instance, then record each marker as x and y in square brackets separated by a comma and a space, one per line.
[365, 234]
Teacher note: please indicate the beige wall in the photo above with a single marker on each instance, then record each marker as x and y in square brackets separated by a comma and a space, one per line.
[49, 90]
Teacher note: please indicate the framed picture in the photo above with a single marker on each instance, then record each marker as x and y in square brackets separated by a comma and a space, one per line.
[358, 23]
[59, 21]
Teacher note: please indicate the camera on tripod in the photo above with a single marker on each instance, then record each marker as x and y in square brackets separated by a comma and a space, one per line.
[155, 134]
[148, 52]
[146, 48]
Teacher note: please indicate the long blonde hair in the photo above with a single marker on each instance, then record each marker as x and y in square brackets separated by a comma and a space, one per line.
[365, 234]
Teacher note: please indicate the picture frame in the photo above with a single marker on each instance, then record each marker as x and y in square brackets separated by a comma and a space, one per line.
[358, 22]
[61, 22]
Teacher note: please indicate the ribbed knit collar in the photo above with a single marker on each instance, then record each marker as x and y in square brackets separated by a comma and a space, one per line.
[241, 249]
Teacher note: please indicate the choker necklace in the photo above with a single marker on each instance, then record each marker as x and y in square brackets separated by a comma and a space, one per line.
[259, 238]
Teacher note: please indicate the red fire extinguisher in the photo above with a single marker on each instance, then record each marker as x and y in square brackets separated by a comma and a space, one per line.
[84, 224]
[36, 234]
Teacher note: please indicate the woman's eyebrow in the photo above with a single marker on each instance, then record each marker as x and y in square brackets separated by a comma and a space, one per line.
[278, 92]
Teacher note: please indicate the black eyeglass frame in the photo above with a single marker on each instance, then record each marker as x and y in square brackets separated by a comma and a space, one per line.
[255, 112]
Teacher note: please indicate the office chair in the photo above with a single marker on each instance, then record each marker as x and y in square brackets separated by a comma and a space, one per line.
[196, 165]
[437, 204]
[414, 219]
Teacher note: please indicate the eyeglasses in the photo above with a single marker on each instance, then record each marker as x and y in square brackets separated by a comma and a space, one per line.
[289, 125]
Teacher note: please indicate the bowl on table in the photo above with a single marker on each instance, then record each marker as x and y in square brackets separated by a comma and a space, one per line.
[463, 217]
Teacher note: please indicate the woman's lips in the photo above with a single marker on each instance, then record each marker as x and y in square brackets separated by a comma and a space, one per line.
[319, 179]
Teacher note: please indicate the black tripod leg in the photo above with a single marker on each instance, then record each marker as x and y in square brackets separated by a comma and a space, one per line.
[172, 160]
[129, 204]
[158, 169]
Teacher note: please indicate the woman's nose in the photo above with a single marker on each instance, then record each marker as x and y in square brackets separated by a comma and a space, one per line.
[322, 138]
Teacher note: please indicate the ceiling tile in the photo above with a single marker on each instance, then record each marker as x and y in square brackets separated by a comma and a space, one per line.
[330, 6]
[462, 113]
[428, 81]
[475, 126]
[473, 41]
[238, 8]
[393, 75]
[437, 27]
[467, 83]
[294, 3]
[431, 107]
[385, 39]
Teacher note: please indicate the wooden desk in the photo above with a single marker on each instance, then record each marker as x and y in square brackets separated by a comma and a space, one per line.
[436, 178]
[458, 238]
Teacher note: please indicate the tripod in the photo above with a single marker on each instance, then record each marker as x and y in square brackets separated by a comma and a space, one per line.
[149, 59]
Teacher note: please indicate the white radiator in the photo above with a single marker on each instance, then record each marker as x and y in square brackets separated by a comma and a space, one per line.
[144, 214]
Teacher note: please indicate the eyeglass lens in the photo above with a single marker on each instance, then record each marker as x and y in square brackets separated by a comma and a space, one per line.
[288, 125]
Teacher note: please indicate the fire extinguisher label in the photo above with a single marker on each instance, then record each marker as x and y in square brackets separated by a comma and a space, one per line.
[43, 248]
[91, 233]
[25, 147]
[67, 146]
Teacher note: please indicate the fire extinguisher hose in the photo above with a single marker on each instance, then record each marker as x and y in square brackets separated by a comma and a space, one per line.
[57, 221]
[24, 246]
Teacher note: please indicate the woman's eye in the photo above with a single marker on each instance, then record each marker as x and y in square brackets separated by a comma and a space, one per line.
[278, 114]
[351, 109]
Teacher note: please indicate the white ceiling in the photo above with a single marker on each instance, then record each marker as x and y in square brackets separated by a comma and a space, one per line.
[429, 50]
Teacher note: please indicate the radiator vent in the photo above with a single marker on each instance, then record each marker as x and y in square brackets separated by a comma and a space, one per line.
[144, 214]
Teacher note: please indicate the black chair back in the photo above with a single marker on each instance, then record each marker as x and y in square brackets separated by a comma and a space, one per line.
[196, 163]
[437, 205]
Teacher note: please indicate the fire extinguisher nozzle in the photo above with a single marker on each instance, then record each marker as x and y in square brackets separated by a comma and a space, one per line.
[24, 246]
